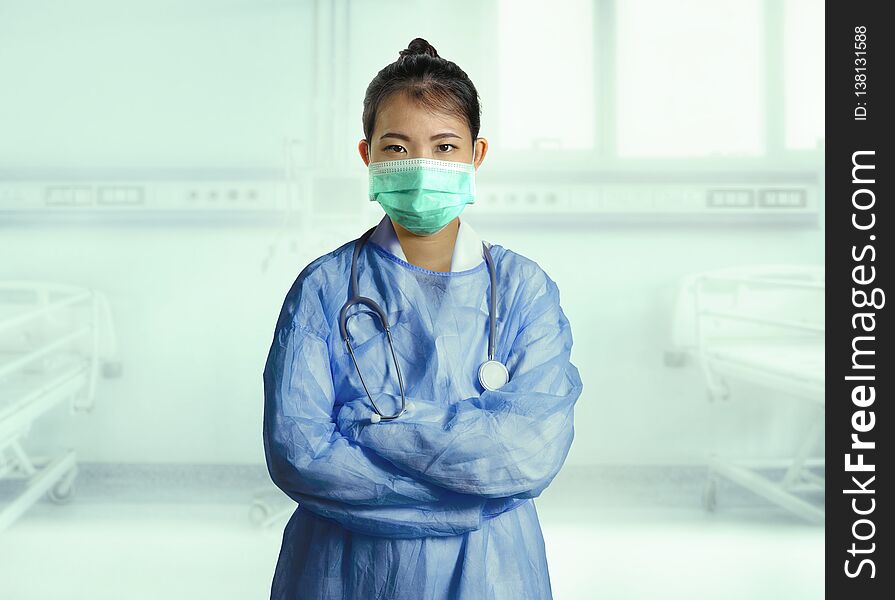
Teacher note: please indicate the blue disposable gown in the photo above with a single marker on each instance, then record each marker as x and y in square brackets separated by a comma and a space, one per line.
[438, 503]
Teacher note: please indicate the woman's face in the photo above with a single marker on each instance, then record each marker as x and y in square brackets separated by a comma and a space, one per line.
[405, 129]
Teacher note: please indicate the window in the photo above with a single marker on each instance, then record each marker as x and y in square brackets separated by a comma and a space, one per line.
[804, 73]
[546, 74]
[689, 77]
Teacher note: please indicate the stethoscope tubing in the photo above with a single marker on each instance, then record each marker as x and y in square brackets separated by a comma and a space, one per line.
[354, 298]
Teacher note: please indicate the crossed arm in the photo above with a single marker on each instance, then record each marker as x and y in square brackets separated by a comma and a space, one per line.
[315, 465]
[430, 472]
[508, 442]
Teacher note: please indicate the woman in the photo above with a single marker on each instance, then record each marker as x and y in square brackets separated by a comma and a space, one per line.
[414, 474]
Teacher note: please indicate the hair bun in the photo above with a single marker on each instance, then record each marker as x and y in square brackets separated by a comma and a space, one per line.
[419, 46]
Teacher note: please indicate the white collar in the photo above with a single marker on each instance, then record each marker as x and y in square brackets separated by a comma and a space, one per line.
[467, 248]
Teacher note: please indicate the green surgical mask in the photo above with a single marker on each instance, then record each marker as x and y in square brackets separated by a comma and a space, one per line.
[422, 195]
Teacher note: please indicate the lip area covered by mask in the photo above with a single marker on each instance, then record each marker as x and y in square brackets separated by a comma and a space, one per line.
[422, 195]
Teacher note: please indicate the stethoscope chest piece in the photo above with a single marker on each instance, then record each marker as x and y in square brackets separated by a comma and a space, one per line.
[493, 375]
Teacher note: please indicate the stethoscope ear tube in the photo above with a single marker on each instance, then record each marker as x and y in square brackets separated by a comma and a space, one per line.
[355, 299]
[346, 336]
[377, 416]
[352, 291]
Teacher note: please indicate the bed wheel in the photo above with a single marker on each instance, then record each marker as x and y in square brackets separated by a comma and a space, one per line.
[258, 513]
[62, 491]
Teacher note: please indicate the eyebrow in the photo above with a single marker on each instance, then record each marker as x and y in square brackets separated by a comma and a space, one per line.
[401, 136]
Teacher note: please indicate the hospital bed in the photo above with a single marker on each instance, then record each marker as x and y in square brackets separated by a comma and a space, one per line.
[55, 340]
[763, 326]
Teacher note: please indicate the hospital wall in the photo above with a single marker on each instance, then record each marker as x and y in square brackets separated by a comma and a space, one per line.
[195, 304]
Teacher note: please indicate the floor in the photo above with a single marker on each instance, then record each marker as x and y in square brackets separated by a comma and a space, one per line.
[618, 535]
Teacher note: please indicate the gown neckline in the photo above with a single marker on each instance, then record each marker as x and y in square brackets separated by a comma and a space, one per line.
[385, 253]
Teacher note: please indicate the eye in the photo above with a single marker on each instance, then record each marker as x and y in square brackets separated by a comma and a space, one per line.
[394, 146]
[446, 146]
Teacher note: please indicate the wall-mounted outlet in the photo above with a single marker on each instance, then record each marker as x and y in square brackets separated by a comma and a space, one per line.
[68, 195]
[783, 198]
[115, 195]
[730, 198]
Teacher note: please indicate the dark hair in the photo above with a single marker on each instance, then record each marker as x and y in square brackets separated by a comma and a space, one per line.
[422, 75]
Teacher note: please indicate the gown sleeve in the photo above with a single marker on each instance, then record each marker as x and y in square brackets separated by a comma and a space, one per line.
[310, 460]
[509, 442]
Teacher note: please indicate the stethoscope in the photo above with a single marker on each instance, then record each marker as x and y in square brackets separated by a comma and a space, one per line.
[493, 374]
